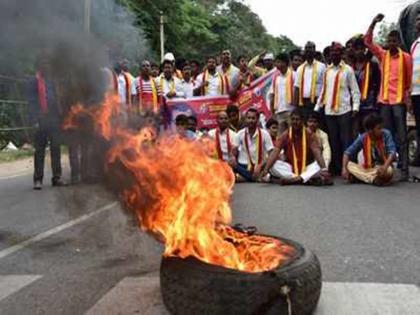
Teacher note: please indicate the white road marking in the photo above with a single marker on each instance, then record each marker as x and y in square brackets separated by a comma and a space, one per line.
[10, 250]
[141, 295]
[12, 283]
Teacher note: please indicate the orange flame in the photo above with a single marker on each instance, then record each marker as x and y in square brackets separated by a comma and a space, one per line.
[181, 196]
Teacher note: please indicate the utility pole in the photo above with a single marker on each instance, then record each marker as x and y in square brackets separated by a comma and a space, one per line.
[162, 36]
[87, 15]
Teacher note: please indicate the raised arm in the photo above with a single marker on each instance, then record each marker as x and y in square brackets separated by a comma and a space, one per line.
[374, 48]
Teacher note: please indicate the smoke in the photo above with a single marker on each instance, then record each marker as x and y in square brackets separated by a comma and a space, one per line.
[56, 28]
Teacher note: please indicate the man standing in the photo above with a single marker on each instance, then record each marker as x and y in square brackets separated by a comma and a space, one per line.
[268, 61]
[187, 81]
[281, 90]
[394, 96]
[368, 77]
[340, 97]
[223, 137]
[210, 82]
[195, 69]
[170, 85]
[296, 59]
[147, 94]
[229, 72]
[303, 161]
[309, 81]
[44, 113]
[250, 148]
[415, 88]
[378, 154]
[245, 75]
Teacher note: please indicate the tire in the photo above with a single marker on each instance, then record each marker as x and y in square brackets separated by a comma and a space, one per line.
[413, 149]
[190, 286]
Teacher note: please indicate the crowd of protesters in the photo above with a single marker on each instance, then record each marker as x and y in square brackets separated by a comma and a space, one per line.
[339, 112]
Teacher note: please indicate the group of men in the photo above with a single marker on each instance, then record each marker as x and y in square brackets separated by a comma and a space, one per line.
[336, 113]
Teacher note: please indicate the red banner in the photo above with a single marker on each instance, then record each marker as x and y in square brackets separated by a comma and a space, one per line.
[206, 108]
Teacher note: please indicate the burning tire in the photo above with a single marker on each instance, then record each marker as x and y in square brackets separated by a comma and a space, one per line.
[190, 286]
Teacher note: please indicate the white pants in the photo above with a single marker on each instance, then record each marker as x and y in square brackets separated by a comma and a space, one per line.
[285, 170]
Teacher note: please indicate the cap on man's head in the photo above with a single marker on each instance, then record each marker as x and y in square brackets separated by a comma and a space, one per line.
[269, 56]
[226, 52]
[169, 56]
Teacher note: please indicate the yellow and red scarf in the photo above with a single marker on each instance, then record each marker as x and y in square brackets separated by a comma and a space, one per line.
[143, 101]
[288, 87]
[367, 150]
[313, 82]
[338, 82]
[304, 151]
[221, 83]
[251, 164]
[366, 81]
[386, 69]
[218, 143]
[171, 84]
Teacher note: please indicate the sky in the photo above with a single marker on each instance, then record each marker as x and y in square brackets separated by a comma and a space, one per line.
[323, 21]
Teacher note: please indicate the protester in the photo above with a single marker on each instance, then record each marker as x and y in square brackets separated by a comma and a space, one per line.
[415, 88]
[147, 93]
[303, 163]
[155, 70]
[394, 96]
[210, 82]
[256, 65]
[340, 96]
[234, 117]
[272, 127]
[250, 148]
[195, 69]
[223, 136]
[268, 61]
[313, 125]
[229, 72]
[187, 81]
[309, 81]
[281, 90]
[378, 150]
[368, 77]
[170, 85]
[181, 125]
[296, 58]
[44, 114]
[245, 75]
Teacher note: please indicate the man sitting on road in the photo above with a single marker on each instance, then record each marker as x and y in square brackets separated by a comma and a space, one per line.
[223, 137]
[313, 126]
[303, 163]
[251, 147]
[379, 152]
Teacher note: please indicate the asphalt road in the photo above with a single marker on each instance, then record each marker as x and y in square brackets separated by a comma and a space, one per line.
[63, 249]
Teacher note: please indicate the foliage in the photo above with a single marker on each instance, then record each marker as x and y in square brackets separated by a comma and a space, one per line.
[384, 29]
[197, 28]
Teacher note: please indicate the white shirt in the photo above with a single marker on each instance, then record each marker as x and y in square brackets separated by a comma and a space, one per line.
[215, 84]
[232, 74]
[282, 104]
[167, 85]
[415, 54]
[267, 145]
[187, 88]
[223, 140]
[308, 78]
[349, 90]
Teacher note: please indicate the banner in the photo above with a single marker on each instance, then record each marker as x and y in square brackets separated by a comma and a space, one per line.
[206, 108]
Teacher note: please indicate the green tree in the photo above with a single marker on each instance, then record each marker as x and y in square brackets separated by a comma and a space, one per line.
[384, 29]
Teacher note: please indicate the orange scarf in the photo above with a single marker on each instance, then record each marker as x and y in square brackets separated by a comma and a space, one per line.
[386, 67]
[218, 143]
[221, 83]
[304, 151]
[313, 82]
[251, 164]
[366, 81]
[367, 150]
[336, 97]
[288, 87]
[42, 93]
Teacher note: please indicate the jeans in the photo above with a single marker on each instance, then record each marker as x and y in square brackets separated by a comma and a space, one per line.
[242, 170]
[395, 120]
[47, 134]
[340, 136]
